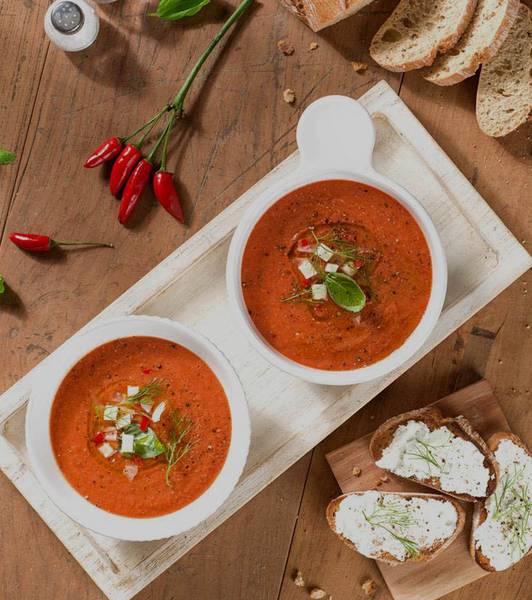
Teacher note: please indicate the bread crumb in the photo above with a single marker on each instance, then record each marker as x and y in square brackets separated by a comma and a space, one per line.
[317, 594]
[369, 587]
[313, 46]
[356, 471]
[298, 579]
[359, 67]
[285, 47]
[289, 96]
[384, 479]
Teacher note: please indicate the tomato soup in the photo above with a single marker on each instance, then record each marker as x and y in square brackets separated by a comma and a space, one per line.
[336, 275]
[140, 426]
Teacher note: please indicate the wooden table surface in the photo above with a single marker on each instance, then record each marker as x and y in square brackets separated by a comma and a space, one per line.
[55, 107]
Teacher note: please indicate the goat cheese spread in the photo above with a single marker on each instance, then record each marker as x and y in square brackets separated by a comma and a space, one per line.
[403, 527]
[506, 534]
[417, 452]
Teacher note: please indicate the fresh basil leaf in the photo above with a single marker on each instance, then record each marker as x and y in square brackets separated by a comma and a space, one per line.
[147, 444]
[2, 285]
[345, 292]
[7, 157]
[173, 10]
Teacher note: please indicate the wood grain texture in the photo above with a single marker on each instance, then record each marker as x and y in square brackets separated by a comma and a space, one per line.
[432, 580]
[60, 105]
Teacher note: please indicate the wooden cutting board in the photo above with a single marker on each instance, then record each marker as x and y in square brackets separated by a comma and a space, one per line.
[454, 568]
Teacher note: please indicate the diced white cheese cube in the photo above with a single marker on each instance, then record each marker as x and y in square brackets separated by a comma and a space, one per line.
[307, 268]
[127, 443]
[123, 420]
[157, 413]
[111, 436]
[331, 268]
[146, 407]
[106, 450]
[319, 291]
[110, 413]
[324, 252]
[132, 390]
[348, 269]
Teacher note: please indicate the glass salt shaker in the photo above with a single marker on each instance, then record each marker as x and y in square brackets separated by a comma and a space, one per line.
[72, 26]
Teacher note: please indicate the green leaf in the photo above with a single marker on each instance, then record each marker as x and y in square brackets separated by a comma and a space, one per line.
[345, 292]
[2, 285]
[173, 10]
[7, 157]
[146, 444]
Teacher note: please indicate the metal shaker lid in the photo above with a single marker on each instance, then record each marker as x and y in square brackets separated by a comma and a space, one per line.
[67, 17]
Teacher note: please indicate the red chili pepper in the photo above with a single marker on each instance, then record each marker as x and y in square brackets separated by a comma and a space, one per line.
[166, 193]
[99, 438]
[135, 185]
[105, 152]
[124, 164]
[144, 423]
[33, 242]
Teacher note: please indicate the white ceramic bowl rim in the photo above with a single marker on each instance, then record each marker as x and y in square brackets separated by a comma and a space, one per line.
[88, 515]
[336, 137]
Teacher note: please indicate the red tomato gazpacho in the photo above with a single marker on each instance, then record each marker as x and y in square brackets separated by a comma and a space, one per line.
[336, 275]
[140, 426]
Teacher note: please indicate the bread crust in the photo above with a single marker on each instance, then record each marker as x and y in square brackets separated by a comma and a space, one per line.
[479, 513]
[481, 56]
[433, 418]
[441, 47]
[386, 557]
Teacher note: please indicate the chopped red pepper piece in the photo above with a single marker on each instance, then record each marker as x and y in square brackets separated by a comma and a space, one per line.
[306, 282]
[359, 264]
[303, 242]
[144, 423]
[147, 371]
[99, 438]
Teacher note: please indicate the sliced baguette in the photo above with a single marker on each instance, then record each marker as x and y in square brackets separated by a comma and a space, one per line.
[417, 31]
[504, 95]
[318, 14]
[433, 419]
[425, 553]
[482, 39]
[480, 513]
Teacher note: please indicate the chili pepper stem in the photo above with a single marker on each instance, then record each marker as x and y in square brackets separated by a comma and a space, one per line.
[94, 244]
[153, 121]
[163, 136]
[180, 97]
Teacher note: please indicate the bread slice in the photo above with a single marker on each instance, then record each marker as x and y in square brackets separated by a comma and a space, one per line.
[466, 471]
[417, 30]
[487, 30]
[520, 474]
[318, 14]
[434, 523]
[504, 95]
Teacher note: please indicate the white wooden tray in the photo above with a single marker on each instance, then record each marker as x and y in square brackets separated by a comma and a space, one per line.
[288, 417]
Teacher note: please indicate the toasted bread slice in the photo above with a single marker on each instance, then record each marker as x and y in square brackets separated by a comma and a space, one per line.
[510, 470]
[504, 95]
[445, 454]
[318, 14]
[480, 42]
[416, 32]
[430, 523]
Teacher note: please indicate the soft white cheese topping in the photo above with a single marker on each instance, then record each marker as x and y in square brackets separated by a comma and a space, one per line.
[132, 390]
[106, 450]
[417, 452]
[376, 523]
[506, 534]
[307, 269]
[157, 413]
[319, 291]
[324, 252]
[128, 442]
[348, 269]
[331, 268]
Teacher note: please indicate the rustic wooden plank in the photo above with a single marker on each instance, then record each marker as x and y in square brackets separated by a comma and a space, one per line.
[497, 168]
[23, 48]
